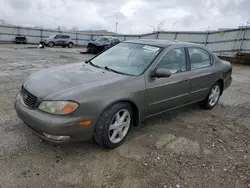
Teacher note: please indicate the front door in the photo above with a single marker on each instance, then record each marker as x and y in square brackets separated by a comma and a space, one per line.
[163, 94]
[58, 39]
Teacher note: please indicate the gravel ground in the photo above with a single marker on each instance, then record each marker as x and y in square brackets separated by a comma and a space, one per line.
[188, 147]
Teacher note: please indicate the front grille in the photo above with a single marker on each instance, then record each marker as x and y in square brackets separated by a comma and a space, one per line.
[29, 99]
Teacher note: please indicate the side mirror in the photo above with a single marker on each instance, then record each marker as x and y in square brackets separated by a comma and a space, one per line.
[161, 73]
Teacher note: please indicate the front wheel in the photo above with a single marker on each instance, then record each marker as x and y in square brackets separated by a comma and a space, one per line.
[113, 125]
[51, 44]
[213, 97]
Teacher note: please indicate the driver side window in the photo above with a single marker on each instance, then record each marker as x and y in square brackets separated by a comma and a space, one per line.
[174, 61]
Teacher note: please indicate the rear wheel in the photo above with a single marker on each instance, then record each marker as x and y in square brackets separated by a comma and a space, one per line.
[51, 44]
[213, 97]
[70, 45]
[113, 125]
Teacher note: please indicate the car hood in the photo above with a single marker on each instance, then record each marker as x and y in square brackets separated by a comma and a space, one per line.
[44, 39]
[52, 80]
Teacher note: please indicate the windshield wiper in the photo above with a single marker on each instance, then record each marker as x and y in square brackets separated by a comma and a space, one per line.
[92, 64]
[118, 72]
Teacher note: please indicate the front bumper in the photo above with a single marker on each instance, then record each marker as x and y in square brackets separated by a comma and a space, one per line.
[40, 122]
[43, 42]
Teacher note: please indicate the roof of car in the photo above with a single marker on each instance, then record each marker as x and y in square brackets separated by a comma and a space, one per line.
[161, 43]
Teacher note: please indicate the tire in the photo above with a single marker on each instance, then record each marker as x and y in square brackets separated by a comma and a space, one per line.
[90, 48]
[51, 44]
[107, 126]
[70, 45]
[210, 103]
[63, 46]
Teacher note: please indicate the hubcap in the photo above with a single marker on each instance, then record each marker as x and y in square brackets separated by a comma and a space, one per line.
[214, 95]
[119, 126]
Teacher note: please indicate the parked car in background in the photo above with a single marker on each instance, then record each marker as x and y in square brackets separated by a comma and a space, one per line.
[58, 40]
[124, 85]
[20, 39]
[101, 44]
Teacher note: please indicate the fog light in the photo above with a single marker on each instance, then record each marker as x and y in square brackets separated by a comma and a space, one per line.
[55, 137]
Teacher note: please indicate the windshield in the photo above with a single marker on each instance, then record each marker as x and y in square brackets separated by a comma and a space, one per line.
[128, 58]
[53, 36]
[102, 39]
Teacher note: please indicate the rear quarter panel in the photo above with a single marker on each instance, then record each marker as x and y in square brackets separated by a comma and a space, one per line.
[225, 72]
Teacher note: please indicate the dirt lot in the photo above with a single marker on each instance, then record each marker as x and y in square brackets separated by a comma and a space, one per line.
[188, 147]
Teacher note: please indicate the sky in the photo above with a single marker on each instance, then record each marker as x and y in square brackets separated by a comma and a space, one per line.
[132, 16]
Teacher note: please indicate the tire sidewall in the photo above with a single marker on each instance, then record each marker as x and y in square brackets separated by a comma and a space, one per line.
[104, 122]
[70, 45]
[51, 45]
[207, 105]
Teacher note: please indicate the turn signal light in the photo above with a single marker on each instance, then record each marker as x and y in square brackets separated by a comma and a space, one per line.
[69, 108]
[85, 123]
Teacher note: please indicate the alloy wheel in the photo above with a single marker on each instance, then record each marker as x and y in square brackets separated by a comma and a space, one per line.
[214, 95]
[119, 126]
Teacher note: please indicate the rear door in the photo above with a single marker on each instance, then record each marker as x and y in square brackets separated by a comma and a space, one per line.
[202, 74]
[65, 39]
[163, 94]
[106, 41]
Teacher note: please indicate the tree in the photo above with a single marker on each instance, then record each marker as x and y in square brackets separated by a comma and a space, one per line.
[3, 22]
[61, 28]
[38, 27]
[158, 26]
[75, 28]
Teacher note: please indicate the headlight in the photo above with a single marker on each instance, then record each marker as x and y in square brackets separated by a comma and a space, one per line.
[58, 107]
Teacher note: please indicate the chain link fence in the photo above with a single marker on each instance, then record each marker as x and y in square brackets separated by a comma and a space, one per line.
[223, 43]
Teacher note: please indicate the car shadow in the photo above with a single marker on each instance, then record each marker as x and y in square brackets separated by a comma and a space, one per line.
[164, 119]
[143, 128]
[149, 126]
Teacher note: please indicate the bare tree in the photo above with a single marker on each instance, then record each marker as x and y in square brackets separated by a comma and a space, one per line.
[75, 28]
[159, 26]
[61, 28]
[3, 22]
[38, 27]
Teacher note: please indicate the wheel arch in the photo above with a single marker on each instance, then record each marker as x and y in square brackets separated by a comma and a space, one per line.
[52, 43]
[132, 104]
[221, 82]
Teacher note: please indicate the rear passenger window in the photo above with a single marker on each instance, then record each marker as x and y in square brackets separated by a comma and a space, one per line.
[199, 58]
[65, 36]
[174, 61]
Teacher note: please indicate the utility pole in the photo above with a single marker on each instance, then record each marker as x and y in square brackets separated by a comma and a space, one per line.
[243, 36]
[207, 35]
[116, 24]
